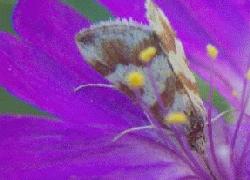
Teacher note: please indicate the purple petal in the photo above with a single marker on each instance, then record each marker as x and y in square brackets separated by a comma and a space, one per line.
[51, 26]
[201, 22]
[36, 78]
[37, 148]
[223, 133]
[242, 149]
[243, 8]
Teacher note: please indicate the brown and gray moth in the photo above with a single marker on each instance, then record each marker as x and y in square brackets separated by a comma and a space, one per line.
[147, 62]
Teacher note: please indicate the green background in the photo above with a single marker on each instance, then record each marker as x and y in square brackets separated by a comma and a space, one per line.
[95, 12]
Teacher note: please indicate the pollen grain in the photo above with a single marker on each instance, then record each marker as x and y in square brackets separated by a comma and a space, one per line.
[135, 80]
[147, 54]
[176, 118]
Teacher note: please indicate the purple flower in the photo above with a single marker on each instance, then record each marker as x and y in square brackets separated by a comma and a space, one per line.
[42, 66]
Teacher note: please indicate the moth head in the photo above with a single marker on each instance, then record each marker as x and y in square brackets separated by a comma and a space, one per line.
[195, 135]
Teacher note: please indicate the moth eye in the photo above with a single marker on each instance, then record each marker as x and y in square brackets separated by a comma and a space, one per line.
[135, 80]
[176, 118]
[147, 54]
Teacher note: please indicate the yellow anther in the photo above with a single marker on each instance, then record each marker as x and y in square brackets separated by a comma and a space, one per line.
[147, 54]
[212, 51]
[248, 75]
[176, 118]
[135, 80]
[234, 93]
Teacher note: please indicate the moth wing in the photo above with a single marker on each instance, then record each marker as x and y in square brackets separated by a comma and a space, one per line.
[112, 43]
[113, 48]
[189, 100]
[173, 47]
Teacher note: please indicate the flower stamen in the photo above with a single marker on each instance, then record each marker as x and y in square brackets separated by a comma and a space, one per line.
[220, 115]
[212, 51]
[121, 134]
[83, 86]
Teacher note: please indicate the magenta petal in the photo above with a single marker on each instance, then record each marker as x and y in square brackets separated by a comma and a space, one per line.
[126, 9]
[36, 148]
[223, 133]
[51, 26]
[242, 149]
[38, 79]
[243, 8]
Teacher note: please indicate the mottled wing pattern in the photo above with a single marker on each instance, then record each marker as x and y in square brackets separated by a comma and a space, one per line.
[173, 47]
[112, 48]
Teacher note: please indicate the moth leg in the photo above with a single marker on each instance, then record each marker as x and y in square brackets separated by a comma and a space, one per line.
[82, 86]
[123, 133]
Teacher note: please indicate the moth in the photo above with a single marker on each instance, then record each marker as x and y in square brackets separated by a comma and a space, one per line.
[115, 49]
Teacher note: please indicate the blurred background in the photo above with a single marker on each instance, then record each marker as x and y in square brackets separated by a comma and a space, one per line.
[95, 12]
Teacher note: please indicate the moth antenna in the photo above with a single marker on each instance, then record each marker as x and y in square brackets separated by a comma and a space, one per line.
[123, 133]
[221, 114]
[82, 86]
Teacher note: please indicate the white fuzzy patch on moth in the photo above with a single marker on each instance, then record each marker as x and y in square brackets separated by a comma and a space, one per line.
[119, 76]
[118, 22]
[120, 73]
[181, 102]
[178, 62]
[149, 97]
[160, 71]
[90, 53]
[179, 48]
[128, 32]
